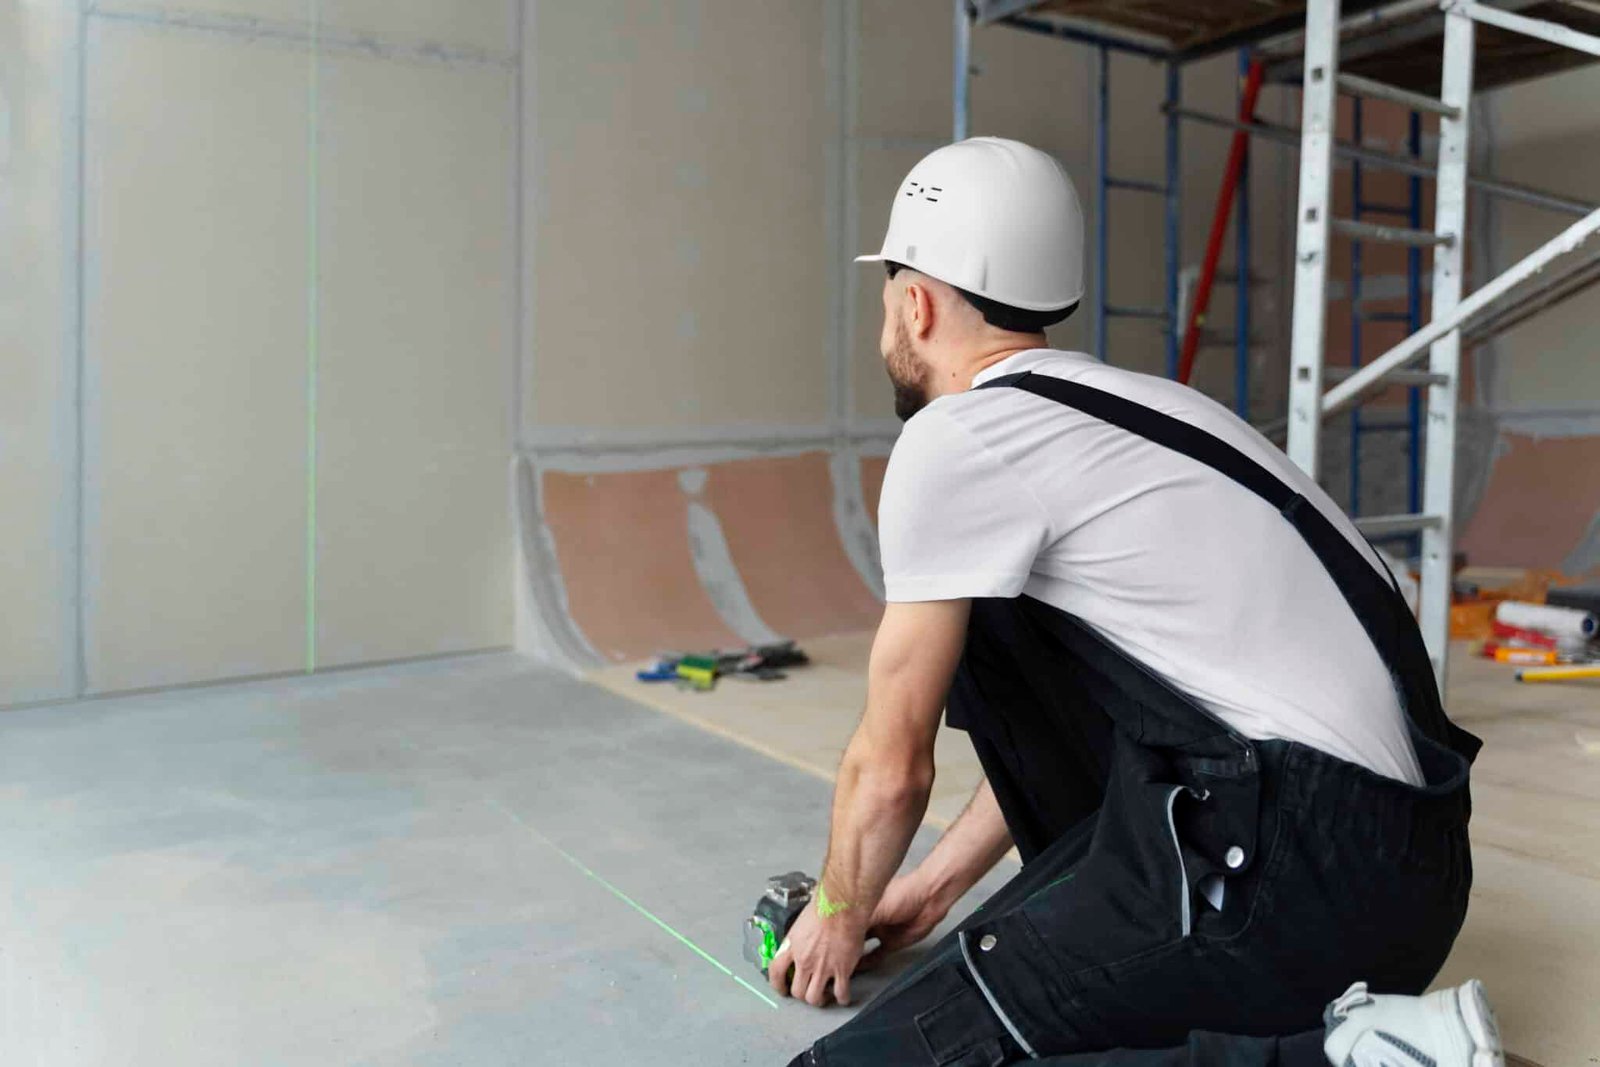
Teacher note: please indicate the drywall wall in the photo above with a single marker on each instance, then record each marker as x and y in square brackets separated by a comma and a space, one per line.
[700, 368]
[1547, 133]
[677, 200]
[294, 308]
[38, 399]
[417, 326]
[195, 377]
[1540, 382]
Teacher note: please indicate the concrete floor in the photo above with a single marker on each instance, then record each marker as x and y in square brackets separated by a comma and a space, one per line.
[421, 865]
[452, 863]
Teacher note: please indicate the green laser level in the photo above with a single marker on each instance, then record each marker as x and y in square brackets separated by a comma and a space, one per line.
[786, 897]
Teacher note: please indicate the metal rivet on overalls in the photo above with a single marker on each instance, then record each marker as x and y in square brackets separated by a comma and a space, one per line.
[988, 942]
[1235, 857]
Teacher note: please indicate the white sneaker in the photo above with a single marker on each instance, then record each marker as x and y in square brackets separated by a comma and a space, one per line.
[1448, 1028]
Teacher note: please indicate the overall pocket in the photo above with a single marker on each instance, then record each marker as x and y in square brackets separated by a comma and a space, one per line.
[1130, 893]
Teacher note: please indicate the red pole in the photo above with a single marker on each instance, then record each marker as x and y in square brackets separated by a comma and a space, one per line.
[1219, 223]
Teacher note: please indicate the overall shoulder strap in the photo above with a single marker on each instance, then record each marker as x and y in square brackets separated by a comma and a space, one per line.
[1377, 603]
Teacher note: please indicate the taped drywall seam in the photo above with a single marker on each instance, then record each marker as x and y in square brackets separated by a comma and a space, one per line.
[1548, 422]
[1479, 445]
[857, 535]
[856, 531]
[519, 223]
[313, 314]
[77, 356]
[578, 451]
[577, 439]
[714, 566]
[544, 626]
[255, 28]
[840, 156]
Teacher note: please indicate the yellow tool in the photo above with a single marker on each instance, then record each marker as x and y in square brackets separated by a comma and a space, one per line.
[1557, 674]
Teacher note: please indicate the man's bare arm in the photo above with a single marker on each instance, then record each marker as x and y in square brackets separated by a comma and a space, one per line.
[975, 842]
[887, 771]
[879, 800]
[918, 901]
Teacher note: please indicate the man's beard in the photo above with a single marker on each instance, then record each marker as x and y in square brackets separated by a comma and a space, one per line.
[908, 374]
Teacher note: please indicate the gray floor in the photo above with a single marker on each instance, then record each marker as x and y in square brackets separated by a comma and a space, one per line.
[420, 865]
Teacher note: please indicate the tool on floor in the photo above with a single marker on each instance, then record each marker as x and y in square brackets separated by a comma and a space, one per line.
[1502, 653]
[700, 671]
[664, 668]
[786, 897]
[1559, 674]
[1518, 635]
[1561, 623]
[1581, 597]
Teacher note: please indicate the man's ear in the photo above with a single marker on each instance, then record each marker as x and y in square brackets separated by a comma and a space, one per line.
[920, 301]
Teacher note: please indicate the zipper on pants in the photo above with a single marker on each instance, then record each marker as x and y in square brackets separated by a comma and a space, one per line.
[1177, 848]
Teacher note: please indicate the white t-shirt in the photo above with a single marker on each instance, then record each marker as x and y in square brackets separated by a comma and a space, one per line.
[998, 493]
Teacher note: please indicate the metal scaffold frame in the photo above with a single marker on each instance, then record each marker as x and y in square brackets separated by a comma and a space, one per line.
[1523, 290]
[1441, 339]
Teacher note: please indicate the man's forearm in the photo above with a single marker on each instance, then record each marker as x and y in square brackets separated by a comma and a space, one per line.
[876, 812]
[975, 842]
[887, 771]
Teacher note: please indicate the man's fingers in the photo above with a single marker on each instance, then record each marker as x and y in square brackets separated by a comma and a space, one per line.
[816, 990]
[841, 989]
[778, 971]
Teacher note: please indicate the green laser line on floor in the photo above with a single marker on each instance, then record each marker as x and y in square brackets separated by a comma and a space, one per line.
[636, 906]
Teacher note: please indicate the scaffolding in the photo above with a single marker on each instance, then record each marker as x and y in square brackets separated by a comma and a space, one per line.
[1425, 56]
[1440, 341]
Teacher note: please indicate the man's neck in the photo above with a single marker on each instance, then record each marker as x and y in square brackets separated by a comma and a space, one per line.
[983, 360]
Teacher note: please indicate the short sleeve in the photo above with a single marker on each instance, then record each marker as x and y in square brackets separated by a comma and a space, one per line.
[954, 520]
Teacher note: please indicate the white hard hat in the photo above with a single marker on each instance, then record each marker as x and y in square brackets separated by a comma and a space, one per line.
[994, 217]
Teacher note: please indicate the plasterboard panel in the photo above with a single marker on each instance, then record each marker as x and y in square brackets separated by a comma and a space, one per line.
[1542, 112]
[196, 353]
[37, 416]
[1548, 362]
[482, 24]
[1036, 89]
[417, 309]
[903, 69]
[680, 271]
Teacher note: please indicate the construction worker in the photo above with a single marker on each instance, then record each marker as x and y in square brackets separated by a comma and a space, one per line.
[1205, 715]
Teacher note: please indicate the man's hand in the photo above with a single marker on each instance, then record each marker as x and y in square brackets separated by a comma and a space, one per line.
[907, 913]
[822, 953]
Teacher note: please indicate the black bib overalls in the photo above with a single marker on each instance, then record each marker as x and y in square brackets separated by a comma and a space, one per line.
[1188, 896]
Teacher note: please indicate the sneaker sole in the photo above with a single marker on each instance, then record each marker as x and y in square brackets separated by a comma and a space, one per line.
[1473, 1005]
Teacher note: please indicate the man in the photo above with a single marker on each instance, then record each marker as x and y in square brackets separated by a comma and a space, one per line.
[1205, 715]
